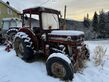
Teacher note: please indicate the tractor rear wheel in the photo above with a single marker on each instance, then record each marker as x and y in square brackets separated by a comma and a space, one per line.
[11, 33]
[22, 46]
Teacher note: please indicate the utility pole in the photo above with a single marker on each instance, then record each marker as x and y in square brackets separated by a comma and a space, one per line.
[65, 26]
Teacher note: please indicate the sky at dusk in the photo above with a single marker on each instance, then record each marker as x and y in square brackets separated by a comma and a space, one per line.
[76, 9]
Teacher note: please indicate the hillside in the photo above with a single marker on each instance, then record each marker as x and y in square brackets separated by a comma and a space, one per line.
[78, 25]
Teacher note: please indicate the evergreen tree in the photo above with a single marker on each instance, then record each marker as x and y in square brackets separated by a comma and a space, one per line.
[86, 21]
[108, 17]
[95, 22]
[102, 29]
[107, 25]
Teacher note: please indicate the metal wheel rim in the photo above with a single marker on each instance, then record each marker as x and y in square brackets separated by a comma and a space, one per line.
[58, 70]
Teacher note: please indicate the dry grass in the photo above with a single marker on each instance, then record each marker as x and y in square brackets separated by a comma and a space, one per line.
[99, 55]
[80, 64]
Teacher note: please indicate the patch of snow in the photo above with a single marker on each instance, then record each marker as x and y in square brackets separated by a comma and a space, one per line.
[66, 32]
[27, 40]
[12, 30]
[13, 69]
[22, 35]
[60, 55]
[9, 19]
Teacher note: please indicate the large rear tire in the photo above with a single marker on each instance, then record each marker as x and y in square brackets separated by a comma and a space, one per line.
[22, 46]
[59, 68]
[11, 34]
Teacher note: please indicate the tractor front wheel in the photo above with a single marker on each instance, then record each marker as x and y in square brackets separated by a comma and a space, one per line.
[59, 68]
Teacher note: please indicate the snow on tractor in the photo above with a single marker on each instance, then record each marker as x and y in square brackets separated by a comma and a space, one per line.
[10, 26]
[64, 50]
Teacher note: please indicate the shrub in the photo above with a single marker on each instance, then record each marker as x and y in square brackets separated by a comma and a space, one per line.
[99, 53]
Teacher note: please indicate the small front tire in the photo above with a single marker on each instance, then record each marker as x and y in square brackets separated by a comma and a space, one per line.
[59, 68]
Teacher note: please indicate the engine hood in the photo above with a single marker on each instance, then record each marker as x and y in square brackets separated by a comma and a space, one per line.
[66, 33]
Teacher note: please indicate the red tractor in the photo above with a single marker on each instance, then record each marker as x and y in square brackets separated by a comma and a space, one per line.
[63, 50]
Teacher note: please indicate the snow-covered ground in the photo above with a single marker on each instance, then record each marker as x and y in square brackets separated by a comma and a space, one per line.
[13, 69]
